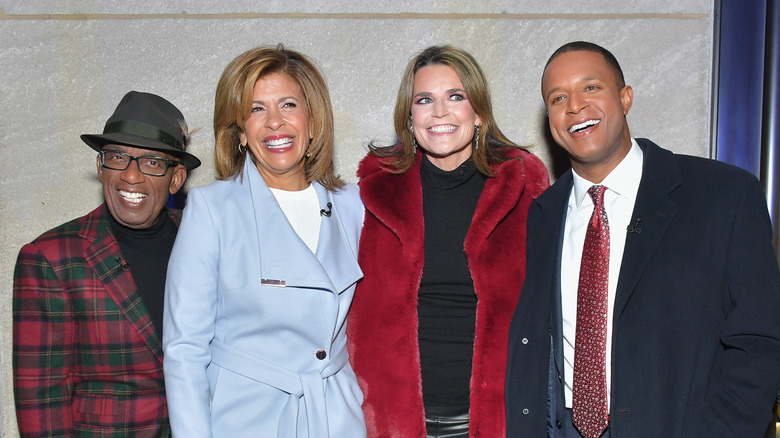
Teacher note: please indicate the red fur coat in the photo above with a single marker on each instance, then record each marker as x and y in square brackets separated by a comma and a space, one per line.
[382, 326]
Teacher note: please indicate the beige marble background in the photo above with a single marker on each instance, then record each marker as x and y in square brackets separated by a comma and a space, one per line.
[65, 64]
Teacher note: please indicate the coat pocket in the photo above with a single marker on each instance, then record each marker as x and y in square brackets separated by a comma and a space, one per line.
[106, 415]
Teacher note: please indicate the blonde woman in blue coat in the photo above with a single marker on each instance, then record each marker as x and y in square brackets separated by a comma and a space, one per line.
[264, 267]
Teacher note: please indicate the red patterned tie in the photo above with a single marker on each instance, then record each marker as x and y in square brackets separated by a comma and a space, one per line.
[589, 404]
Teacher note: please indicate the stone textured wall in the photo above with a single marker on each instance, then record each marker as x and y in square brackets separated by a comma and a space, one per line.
[66, 64]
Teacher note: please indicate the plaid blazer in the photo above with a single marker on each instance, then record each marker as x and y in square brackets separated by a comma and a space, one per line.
[87, 357]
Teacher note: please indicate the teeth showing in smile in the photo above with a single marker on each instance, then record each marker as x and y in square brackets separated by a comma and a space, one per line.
[279, 143]
[584, 125]
[442, 129]
[135, 198]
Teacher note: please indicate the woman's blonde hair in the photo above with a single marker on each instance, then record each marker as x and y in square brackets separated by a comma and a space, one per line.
[233, 105]
[491, 140]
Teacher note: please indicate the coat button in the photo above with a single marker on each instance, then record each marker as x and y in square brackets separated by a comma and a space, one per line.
[525, 411]
[321, 354]
[524, 340]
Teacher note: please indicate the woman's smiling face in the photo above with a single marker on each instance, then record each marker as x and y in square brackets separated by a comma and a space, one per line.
[442, 116]
[277, 131]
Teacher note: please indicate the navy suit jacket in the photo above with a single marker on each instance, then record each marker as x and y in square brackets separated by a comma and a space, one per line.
[696, 327]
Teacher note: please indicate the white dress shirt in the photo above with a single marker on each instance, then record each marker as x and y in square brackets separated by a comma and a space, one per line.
[622, 185]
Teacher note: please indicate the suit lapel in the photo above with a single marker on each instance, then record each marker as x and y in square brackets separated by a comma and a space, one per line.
[105, 259]
[660, 176]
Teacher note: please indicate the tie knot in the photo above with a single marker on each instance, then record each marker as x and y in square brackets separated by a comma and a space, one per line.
[596, 192]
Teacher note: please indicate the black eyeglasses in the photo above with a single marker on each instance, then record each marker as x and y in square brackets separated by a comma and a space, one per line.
[148, 165]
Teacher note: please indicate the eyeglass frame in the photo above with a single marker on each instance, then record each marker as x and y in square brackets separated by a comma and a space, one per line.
[168, 163]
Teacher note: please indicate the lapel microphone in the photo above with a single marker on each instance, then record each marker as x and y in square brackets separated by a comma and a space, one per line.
[123, 264]
[327, 212]
[635, 228]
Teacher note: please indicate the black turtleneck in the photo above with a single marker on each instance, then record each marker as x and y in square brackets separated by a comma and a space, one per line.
[447, 303]
[146, 252]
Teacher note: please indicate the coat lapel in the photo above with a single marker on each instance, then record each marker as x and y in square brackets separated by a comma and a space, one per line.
[660, 176]
[284, 257]
[499, 196]
[335, 252]
[105, 259]
[396, 201]
[554, 206]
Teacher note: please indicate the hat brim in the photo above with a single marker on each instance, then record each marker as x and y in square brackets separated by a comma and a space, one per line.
[97, 141]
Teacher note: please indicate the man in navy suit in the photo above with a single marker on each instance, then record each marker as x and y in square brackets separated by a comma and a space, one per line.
[691, 285]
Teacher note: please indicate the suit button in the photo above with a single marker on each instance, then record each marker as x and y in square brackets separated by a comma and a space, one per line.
[321, 354]
[525, 411]
[524, 340]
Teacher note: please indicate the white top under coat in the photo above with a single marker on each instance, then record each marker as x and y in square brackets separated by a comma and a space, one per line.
[302, 209]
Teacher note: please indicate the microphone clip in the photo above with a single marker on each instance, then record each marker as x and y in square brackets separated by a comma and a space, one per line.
[327, 212]
[635, 227]
[123, 264]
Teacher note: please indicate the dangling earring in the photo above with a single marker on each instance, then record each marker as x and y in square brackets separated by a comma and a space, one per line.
[239, 148]
[414, 140]
[411, 131]
[476, 137]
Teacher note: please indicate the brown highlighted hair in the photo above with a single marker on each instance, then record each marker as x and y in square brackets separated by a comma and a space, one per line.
[233, 105]
[492, 142]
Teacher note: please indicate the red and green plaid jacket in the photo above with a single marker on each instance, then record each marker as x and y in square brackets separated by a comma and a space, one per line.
[87, 357]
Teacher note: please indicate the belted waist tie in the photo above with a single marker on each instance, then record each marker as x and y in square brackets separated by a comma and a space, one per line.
[307, 384]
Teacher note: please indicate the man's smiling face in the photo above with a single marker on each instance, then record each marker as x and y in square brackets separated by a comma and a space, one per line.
[134, 199]
[586, 109]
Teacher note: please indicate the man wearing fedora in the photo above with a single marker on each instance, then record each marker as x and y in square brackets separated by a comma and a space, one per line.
[88, 295]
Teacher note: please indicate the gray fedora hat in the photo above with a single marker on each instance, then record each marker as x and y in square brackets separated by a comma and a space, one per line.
[147, 121]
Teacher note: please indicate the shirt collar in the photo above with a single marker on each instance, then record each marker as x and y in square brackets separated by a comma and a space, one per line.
[623, 180]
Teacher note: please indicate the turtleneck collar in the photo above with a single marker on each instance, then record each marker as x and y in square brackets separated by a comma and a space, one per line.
[147, 233]
[433, 176]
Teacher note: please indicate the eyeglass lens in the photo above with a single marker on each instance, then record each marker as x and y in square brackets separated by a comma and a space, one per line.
[155, 166]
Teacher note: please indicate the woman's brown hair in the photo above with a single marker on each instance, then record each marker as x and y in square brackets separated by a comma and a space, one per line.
[491, 140]
[233, 104]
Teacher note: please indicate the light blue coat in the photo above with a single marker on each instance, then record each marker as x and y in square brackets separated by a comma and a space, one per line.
[254, 323]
